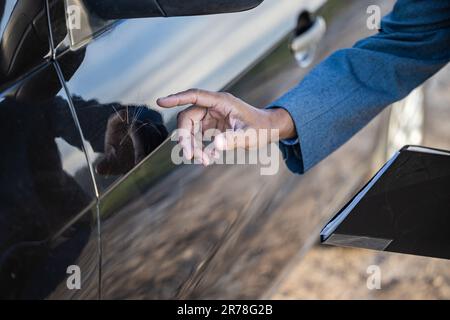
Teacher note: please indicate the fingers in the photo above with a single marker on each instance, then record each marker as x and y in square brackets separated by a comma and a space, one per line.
[188, 130]
[212, 110]
[193, 148]
[196, 97]
[231, 140]
[186, 121]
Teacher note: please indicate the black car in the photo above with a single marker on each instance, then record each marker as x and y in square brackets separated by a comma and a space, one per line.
[91, 205]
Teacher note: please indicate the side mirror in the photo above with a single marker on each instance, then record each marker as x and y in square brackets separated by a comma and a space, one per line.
[126, 9]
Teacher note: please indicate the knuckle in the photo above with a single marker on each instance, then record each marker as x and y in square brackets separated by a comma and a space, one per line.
[195, 93]
[227, 95]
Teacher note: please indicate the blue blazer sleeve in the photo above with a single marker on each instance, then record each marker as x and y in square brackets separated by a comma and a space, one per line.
[344, 92]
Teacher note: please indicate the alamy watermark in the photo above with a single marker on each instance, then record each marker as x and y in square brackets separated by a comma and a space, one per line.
[249, 146]
[73, 17]
[374, 279]
[73, 281]
[373, 21]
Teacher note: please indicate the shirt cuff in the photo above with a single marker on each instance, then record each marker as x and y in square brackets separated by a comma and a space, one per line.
[290, 142]
[290, 148]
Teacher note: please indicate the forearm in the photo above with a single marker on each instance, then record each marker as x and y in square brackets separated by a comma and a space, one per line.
[343, 93]
[282, 120]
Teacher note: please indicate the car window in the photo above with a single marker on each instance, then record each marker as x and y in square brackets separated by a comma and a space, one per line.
[23, 38]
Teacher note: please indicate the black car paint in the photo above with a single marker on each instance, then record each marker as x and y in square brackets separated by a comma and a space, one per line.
[42, 192]
[156, 230]
[123, 9]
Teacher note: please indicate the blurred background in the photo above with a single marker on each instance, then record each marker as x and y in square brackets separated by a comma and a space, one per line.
[327, 272]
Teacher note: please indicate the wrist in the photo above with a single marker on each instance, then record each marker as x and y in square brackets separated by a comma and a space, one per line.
[281, 120]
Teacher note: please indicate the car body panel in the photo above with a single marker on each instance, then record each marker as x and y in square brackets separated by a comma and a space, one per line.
[191, 232]
[170, 231]
[47, 194]
[159, 59]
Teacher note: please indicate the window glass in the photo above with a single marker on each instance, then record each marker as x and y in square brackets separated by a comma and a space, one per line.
[119, 134]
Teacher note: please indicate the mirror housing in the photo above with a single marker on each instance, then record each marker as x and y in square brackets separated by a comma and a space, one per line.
[127, 9]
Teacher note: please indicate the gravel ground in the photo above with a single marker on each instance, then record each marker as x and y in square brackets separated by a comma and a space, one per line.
[341, 273]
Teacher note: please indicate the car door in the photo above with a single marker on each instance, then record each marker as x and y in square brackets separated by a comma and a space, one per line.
[48, 229]
[184, 231]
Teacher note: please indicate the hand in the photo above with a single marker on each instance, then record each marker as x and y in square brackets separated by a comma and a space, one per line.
[228, 114]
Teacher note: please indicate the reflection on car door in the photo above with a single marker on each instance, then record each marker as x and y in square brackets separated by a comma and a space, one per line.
[186, 231]
[46, 194]
[47, 226]
[162, 224]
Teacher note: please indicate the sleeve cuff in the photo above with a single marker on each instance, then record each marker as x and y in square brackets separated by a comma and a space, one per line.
[290, 142]
[291, 151]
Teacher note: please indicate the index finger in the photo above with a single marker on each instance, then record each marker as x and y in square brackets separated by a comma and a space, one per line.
[196, 97]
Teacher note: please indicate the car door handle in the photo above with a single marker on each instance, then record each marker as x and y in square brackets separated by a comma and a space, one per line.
[308, 35]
